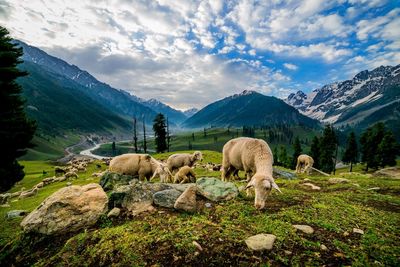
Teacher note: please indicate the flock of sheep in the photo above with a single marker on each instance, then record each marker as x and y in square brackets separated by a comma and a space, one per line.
[253, 156]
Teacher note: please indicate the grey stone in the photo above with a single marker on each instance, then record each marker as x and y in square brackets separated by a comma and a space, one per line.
[323, 247]
[311, 186]
[216, 190]
[16, 213]
[304, 228]
[260, 242]
[283, 174]
[115, 212]
[166, 198]
[67, 210]
[358, 231]
[208, 205]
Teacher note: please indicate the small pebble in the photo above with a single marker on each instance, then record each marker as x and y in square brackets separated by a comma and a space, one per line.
[208, 205]
[323, 247]
[358, 231]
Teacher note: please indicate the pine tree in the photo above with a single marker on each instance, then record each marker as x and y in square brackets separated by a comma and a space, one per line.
[283, 157]
[276, 157]
[315, 151]
[328, 145]
[135, 135]
[388, 149]
[16, 130]
[144, 137]
[296, 152]
[370, 141]
[160, 133]
[351, 153]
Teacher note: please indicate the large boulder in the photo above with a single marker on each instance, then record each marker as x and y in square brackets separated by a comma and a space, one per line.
[166, 198]
[187, 200]
[67, 210]
[284, 174]
[216, 190]
[109, 180]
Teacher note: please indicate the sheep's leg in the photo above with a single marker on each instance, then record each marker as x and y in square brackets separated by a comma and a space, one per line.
[184, 179]
[298, 165]
[249, 174]
[225, 173]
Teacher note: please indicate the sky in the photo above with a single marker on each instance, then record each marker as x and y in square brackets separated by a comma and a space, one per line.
[191, 53]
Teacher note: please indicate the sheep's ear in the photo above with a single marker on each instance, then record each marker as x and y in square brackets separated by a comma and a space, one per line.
[250, 184]
[274, 185]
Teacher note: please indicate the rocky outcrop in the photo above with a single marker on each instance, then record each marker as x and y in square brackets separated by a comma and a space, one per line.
[67, 210]
[109, 180]
[216, 190]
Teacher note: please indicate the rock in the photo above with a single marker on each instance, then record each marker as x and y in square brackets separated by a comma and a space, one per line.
[283, 174]
[69, 184]
[181, 187]
[208, 205]
[197, 245]
[5, 205]
[346, 233]
[16, 213]
[136, 197]
[166, 198]
[306, 180]
[115, 212]
[187, 200]
[358, 231]
[304, 228]
[216, 190]
[323, 247]
[4, 198]
[67, 210]
[374, 188]
[391, 172]
[109, 180]
[338, 180]
[260, 242]
[311, 186]
[288, 252]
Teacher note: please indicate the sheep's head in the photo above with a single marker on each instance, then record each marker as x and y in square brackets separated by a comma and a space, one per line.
[197, 155]
[162, 171]
[262, 186]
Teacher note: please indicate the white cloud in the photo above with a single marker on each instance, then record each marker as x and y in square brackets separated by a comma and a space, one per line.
[290, 66]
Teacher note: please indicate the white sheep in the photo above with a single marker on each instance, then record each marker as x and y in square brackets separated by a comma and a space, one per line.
[143, 165]
[177, 161]
[71, 175]
[255, 158]
[28, 193]
[304, 161]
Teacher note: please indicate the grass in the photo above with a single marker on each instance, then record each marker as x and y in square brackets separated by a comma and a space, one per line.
[165, 237]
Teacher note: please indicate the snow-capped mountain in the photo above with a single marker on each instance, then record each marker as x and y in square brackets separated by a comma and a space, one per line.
[190, 112]
[172, 114]
[352, 102]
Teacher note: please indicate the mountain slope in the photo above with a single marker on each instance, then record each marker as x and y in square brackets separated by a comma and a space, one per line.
[248, 108]
[159, 107]
[190, 112]
[370, 97]
[116, 100]
[59, 104]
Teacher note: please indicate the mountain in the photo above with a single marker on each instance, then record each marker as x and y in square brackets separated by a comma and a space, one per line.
[190, 112]
[59, 104]
[369, 97]
[159, 107]
[117, 100]
[248, 109]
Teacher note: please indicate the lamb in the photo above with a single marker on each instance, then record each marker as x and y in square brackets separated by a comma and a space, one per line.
[143, 165]
[254, 157]
[177, 161]
[304, 161]
[185, 175]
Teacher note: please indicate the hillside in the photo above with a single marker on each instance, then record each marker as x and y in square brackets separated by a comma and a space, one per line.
[250, 109]
[173, 115]
[370, 97]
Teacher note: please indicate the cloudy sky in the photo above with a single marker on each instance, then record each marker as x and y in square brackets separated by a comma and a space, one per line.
[190, 53]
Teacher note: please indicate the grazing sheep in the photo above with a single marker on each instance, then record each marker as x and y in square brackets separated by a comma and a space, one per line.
[304, 164]
[28, 193]
[59, 170]
[185, 175]
[71, 175]
[39, 185]
[60, 179]
[98, 174]
[49, 180]
[143, 165]
[177, 161]
[254, 157]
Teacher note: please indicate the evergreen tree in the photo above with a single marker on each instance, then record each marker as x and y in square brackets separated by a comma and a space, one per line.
[160, 133]
[388, 149]
[315, 151]
[276, 156]
[16, 130]
[351, 153]
[370, 141]
[283, 158]
[296, 152]
[328, 144]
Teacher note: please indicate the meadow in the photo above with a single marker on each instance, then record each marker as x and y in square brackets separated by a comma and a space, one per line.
[165, 237]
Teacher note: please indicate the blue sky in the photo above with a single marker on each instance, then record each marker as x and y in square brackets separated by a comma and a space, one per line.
[191, 53]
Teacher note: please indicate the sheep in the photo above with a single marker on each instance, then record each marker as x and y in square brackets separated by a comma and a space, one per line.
[143, 165]
[185, 175]
[98, 174]
[254, 157]
[71, 175]
[4, 198]
[28, 193]
[59, 170]
[177, 161]
[304, 161]
[48, 180]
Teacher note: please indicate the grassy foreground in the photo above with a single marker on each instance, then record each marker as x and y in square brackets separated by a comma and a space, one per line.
[165, 237]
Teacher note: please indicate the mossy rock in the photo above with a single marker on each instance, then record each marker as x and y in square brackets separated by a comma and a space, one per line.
[110, 180]
[216, 190]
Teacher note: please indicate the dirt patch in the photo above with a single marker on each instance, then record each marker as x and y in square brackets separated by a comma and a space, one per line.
[389, 191]
[383, 205]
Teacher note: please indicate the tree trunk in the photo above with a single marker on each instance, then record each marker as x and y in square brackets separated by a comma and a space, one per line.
[351, 166]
